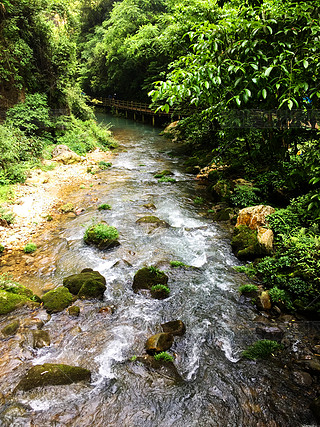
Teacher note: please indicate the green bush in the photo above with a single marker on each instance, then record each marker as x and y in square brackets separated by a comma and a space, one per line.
[261, 349]
[198, 201]
[104, 165]
[101, 231]
[166, 357]
[29, 248]
[244, 196]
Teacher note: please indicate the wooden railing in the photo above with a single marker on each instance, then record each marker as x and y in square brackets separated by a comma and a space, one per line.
[128, 106]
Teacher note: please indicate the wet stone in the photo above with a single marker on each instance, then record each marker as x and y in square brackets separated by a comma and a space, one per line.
[270, 333]
[11, 328]
[158, 343]
[302, 378]
[40, 338]
[175, 327]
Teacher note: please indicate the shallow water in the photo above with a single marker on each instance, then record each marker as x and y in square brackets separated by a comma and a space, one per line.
[217, 387]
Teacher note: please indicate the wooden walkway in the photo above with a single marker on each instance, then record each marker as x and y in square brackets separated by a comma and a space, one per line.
[138, 107]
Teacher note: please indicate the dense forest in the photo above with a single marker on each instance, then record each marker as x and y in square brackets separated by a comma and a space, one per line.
[242, 74]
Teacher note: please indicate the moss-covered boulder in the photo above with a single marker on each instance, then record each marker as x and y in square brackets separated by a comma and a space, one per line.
[154, 220]
[158, 343]
[87, 284]
[175, 327]
[245, 244]
[163, 173]
[102, 236]
[147, 277]
[74, 311]
[11, 328]
[10, 301]
[160, 291]
[53, 374]
[57, 300]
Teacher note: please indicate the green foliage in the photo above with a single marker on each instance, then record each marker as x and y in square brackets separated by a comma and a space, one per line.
[104, 165]
[104, 206]
[162, 288]
[163, 356]
[247, 288]
[261, 349]
[198, 201]
[30, 116]
[9, 217]
[30, 248]
[2, 248]
[155, 270]
[244, 196]
[83, 136]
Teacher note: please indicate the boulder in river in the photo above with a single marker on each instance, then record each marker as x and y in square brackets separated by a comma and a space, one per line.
[102, 236]
[245, 244]
[162, 367]
[41, 338]
[147, 277]
[11, 328]
[10, 301]
[87, 284]
[154, 220]
[57, 300]
[52, 374]
[158, 343]
[175, 327]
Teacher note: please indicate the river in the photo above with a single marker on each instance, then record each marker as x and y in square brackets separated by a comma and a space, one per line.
[218, 388]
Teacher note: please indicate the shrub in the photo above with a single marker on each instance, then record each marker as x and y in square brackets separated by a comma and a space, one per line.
[29, 248]
[104, 206]
[261, 349]
[249, 287]
[166, 357]
[244, 196]
[198, 201]
[104, 165]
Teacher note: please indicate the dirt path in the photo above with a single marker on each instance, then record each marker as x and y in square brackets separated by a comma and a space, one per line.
[41, 197]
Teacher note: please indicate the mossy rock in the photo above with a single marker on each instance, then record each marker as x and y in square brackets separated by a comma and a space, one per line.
[151, 219]
[221, 190]
[245, 243]
[158, 343]
[53, 374]
[11, 328]
[175, 327]
[223, 214]
[147, 277]
[163, 173]
[68, 207]
[87, 284]
[57, 299]
[74, 310]
[10, 301]
[41, 338]
[160, 291]
[102, 236]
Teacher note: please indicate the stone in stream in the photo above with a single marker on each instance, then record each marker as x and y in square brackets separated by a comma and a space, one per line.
[74, 311]
[40, 338]
[162, 367]
[147, 277]
[270, 333]
[87, 284]
[158, 343]
[175, 327]
[11, 328]
[52, 374]
[153, 220]
[57, 299]
[102, 236]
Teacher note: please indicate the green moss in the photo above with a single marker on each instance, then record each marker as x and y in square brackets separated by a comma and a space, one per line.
[57, 299]
[163, 173]
[11, 329]
[166, 357]
[30, 248]
[247, 288]
[261, 349]
[166, 179]
[68, 207]
[1, 249]
[53, 374]
[74, 310]
[104, 206]
[147, 277]
[10, 301]
[245, 243]
[104, 165]
[176, 264]
[101, 235]
[160, 291]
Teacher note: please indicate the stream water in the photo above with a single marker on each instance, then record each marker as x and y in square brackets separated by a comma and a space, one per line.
[218, 388]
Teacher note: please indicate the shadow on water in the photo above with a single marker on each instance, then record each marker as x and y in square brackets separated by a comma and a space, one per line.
[217, 387]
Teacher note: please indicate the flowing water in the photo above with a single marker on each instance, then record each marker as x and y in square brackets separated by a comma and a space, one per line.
[217, 387]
